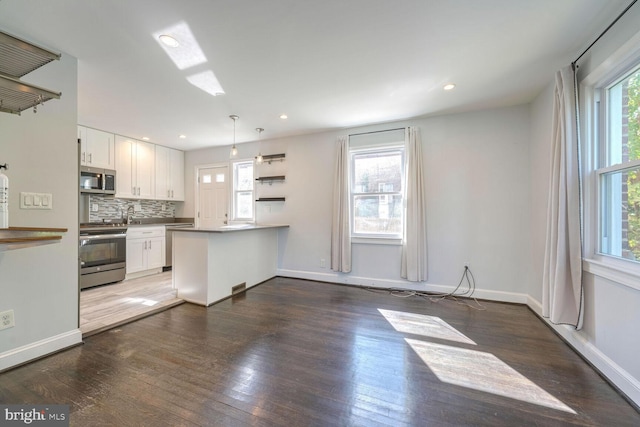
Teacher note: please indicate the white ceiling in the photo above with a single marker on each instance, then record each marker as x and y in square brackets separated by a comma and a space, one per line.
[328, 64]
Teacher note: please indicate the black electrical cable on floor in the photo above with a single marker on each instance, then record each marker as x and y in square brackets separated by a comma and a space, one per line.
[437, 297]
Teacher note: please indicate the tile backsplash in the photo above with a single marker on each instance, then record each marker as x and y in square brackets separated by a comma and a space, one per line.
[112, 208]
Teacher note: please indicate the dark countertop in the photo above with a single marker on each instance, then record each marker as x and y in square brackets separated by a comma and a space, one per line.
[229, 228]
[135, 222]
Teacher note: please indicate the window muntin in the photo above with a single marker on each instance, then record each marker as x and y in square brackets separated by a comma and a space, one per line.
[619, 174]
[243, 191]
[377, 182]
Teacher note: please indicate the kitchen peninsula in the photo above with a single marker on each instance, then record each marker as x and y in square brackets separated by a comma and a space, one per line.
[209, 262]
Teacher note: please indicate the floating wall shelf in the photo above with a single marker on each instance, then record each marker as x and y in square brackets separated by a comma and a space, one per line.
[18, 58]
[270, 179]
[270, 199]
[268, 158]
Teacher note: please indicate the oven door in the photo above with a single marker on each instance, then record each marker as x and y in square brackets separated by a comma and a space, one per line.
[101, 251]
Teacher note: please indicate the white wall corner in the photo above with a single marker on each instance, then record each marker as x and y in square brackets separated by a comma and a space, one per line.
[38, 349]
[624, 381]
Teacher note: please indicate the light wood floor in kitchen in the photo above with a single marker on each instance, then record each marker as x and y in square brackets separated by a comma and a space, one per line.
[108, 306]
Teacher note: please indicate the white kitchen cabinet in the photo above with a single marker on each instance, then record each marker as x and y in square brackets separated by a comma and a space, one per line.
[135, 167]
[145, 249]
[96, 148]
[169, 174]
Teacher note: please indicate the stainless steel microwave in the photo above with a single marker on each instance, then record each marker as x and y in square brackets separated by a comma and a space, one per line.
[97, 180]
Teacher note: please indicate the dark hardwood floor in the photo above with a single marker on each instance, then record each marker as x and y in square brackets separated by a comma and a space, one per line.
[297, 353]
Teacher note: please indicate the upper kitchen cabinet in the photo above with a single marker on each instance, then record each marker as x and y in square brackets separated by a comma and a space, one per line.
[169, 174]
[135, 167]
[97, 148]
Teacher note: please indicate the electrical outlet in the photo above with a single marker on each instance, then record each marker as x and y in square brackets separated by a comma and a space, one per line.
[7, 320]
[322, 263]
[137, 208]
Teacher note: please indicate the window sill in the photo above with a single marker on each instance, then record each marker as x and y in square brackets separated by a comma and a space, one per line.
[375, 241]
[616, 274]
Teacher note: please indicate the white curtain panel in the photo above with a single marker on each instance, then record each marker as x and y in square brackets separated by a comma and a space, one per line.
[414, 242]
[340, 223]
[562, 296]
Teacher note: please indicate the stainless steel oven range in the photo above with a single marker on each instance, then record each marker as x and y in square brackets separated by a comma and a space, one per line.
[103, 253]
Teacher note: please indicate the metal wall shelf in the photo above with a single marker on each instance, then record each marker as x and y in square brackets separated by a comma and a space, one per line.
[270, 199]
[268, 158]
[270, 179]
[18, 58]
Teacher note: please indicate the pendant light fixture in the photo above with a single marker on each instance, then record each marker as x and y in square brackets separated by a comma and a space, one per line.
[234, 150]
[259, 158]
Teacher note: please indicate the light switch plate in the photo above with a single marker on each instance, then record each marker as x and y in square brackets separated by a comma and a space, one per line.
[36, 201]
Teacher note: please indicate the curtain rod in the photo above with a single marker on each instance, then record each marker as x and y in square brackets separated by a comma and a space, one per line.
[604, 32]
[376, 131]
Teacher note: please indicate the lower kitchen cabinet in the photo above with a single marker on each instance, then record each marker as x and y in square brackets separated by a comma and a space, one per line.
[145, 249]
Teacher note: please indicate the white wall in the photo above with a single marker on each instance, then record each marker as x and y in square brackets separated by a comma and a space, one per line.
[41, 283]
[477, 179]
[609, 338]
[540, 161]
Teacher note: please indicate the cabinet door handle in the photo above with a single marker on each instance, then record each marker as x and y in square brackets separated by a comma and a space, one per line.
[90, 158]
[168, 193]
[145, 245]
[172, 194]
[83, 157]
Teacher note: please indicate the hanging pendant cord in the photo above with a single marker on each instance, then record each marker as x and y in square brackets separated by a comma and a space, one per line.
[604, 32]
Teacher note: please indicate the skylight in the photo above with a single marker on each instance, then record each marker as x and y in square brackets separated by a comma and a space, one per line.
[206, 81]
[185, 52]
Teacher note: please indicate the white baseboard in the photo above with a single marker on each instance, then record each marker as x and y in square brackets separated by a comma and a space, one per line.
[624, 381]
[401, 284]
[32, 351]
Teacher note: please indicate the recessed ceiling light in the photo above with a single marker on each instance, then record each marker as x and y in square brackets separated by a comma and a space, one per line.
[449, 86]
[182, 136]
[145, 138]
[284, 116]
[168, 40]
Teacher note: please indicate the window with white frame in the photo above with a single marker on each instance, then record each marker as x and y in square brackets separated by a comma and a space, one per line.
[376, 187]
[618, 173]
[243, 191]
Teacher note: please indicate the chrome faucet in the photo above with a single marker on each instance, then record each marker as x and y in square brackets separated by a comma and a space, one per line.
[130, 215]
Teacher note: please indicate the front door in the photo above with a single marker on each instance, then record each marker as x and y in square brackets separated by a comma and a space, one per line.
[212, 197]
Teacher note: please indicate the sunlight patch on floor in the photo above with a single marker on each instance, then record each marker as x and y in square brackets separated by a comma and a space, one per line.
[143, 301]
[482, 371]
[421, 324]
